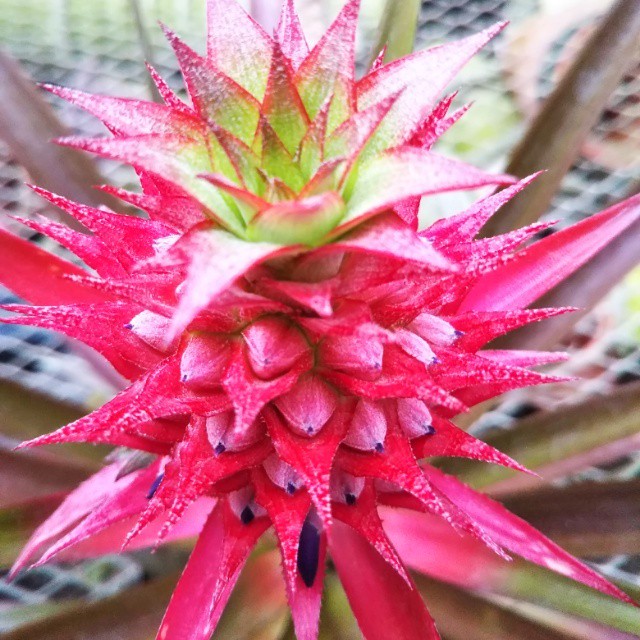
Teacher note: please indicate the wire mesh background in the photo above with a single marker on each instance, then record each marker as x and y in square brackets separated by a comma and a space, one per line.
[96, 47]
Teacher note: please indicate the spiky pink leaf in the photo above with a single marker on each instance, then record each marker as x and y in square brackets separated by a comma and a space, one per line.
[249, 394]
[210, 575]
[328, 69]
[427, 73]
[238, 46]
[127, 498]
[449, 440]
[166, 93]
[81, 501]
[290, 36]
[128, 238]
[41, 277]
[363, 517]
[282, 105]
[90, 249]
[288, 514]
[101, 326]
[129, 117]
[517, 535]
[379, 597]
[405, 172]
[312, 458]
[172, 158]
[540, 267]
[215, 95]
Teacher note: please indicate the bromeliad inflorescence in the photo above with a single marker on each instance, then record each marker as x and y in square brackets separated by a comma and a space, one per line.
[295, 346]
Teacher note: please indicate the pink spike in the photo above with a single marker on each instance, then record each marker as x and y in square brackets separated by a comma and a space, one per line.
[111, 539]
[480, 372]
[122, 420]
[542, 266]
[177, 212]
[210, 575]
[288, 514]
[330, 66]
[90, 249]
[517, 535]
[379, 597]
[216, 96]
[101, 326]
[464, 227]
[484, 255]
[436, 124]
[363, 517]
[129, 238]
[160, 155]
[397, 464]
[311, 458]
[477, 328]
[238, 46]
[519, 358]
[127, 498]
[427, 73]
[81, 501]
[282, 105]
[290, 36]
[166, 93]
[129, 117]
[405, 172]
[449, 440]
[40, 277]
[379, 62]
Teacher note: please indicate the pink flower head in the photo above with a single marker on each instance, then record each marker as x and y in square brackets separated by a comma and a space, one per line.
[295, 347]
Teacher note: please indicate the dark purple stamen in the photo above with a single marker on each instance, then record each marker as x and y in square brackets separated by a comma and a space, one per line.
[350, 499]
[379, 447]
[308, 553]
[429, 429]
[154, 486]
[220, 448]
[291, 488]
[128, 326]
[247, 515]
[184, 378]
[458, 333]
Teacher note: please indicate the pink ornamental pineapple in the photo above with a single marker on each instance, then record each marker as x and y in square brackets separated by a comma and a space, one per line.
[296, 348]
